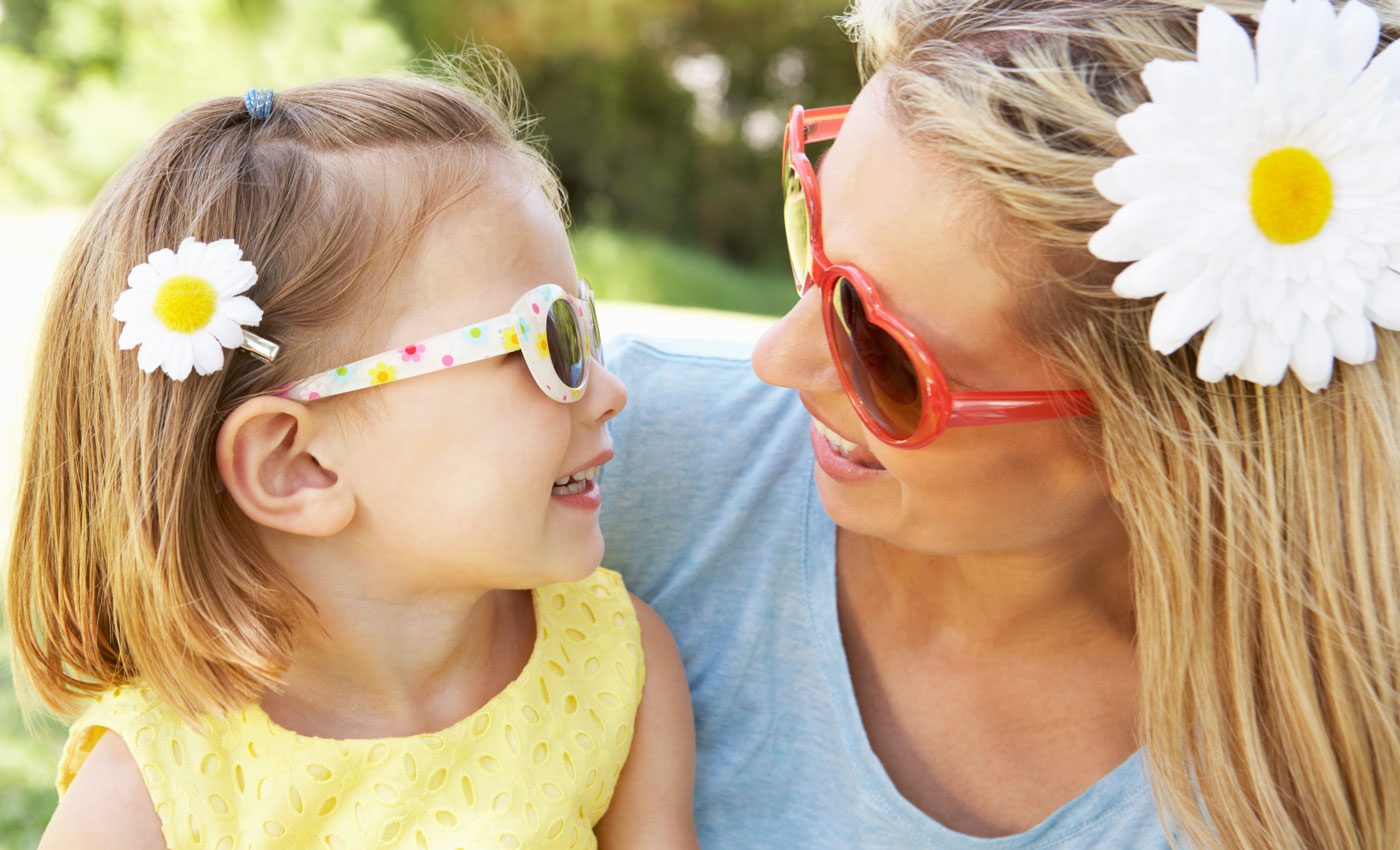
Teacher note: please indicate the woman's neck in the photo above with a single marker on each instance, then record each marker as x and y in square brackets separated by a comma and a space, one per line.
[1076, 590]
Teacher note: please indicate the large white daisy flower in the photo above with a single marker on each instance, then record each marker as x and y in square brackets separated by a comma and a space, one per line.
[1263, 199]
[184, 308]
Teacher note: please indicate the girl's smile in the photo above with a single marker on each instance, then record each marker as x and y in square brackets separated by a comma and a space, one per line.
[580, 489]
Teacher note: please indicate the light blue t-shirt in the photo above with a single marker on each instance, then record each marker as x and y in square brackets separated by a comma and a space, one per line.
[711, 514]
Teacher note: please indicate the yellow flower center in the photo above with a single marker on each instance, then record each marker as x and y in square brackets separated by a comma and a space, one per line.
[1290, 195]
[185, 303]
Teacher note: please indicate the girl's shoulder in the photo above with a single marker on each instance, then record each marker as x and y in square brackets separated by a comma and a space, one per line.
[589, 633]
[545, 752]
[107, 805]
[131, 711]
[110, 805]
[584, 599]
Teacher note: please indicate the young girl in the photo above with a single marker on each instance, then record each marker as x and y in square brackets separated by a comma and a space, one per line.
[293, 615]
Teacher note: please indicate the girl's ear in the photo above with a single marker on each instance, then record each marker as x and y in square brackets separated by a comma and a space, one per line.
[269, 456]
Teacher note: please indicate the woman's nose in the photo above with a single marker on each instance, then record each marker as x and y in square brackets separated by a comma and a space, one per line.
[793, 353]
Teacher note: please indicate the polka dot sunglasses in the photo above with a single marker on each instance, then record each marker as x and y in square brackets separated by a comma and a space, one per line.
[556, 332]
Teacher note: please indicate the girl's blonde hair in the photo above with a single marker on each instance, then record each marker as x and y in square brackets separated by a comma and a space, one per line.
[127, 559]
[1264, 520]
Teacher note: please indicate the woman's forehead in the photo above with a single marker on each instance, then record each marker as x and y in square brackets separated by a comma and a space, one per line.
[914, 223]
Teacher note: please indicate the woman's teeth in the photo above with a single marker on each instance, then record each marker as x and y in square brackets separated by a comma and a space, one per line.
[842, 445]
[576, 483]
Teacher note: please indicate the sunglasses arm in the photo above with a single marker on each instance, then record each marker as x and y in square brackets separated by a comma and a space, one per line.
[993, 408]
[822, 125]
[479, 341]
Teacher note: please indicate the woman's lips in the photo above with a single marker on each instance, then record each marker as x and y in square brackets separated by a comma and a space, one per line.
[853, 468]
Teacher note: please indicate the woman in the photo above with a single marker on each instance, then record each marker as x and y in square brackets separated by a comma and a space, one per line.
[1178, 614]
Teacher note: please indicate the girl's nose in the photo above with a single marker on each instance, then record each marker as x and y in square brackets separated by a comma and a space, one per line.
[606, 395]
[793, 353]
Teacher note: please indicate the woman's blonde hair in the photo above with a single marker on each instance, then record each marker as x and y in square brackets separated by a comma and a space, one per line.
[127, 559]
[1264, 520]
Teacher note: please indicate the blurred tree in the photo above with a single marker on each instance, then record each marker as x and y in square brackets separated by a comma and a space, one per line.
[663, 116]
[86, 81]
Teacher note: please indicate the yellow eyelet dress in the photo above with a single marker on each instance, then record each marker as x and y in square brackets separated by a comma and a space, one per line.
[533, 768]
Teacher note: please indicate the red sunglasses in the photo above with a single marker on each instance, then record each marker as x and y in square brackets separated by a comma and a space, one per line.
[890, 376]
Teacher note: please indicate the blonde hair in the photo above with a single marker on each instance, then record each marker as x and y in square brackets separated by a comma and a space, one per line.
[127, 559]
[1264, 520]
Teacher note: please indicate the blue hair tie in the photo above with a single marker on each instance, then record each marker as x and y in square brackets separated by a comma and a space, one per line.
[259, 103]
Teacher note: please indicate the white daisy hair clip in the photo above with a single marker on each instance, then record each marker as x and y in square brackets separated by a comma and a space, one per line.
[1262, 199]
[184, 307]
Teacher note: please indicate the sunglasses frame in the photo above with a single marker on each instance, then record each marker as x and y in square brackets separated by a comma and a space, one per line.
[527, 321]
[940, 407]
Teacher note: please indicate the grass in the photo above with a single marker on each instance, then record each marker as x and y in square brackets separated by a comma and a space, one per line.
[28, 758]
[622, 267]
[632, 267]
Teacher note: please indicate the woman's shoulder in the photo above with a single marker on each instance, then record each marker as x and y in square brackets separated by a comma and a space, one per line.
[677, 384]
[706, 454]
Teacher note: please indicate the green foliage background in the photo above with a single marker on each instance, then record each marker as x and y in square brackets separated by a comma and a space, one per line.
[85, 81]
[673, 201]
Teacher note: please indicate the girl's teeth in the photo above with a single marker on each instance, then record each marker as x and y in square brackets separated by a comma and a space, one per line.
[576, 483]
[582, 475]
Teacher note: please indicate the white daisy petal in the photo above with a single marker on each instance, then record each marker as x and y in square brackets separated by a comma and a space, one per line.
[242, 310]
[1384, 71]
[1353, 338]
[1267, 361]
[180, 359]
[208, 353]
[227, 331]
[1153, 128]
[1134, 177]
[163, 263]
[1174, 265]
[1223, 349]
[191, 256]
[136, 330]
[220, 274]
[1182, 313]
[1140, 228]
[1312, 356]
[235, 279]
[133, 303]
[1383, 300]
[1274, 41]
[154, 349]
[144, 278]
[224, 252]
[1358, 33]
[1224, 48]
[1171, 83]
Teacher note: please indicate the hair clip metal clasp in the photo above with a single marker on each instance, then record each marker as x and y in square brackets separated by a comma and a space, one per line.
[260, 347]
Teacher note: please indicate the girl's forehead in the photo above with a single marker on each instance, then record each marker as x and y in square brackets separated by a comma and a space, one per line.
[478, 256]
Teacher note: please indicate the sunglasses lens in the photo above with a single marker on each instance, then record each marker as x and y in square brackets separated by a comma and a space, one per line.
[797, 223]
[878, 366]
[566, 346]
[597, 336]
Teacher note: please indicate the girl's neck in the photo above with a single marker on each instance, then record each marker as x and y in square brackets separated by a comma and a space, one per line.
[365, 667]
